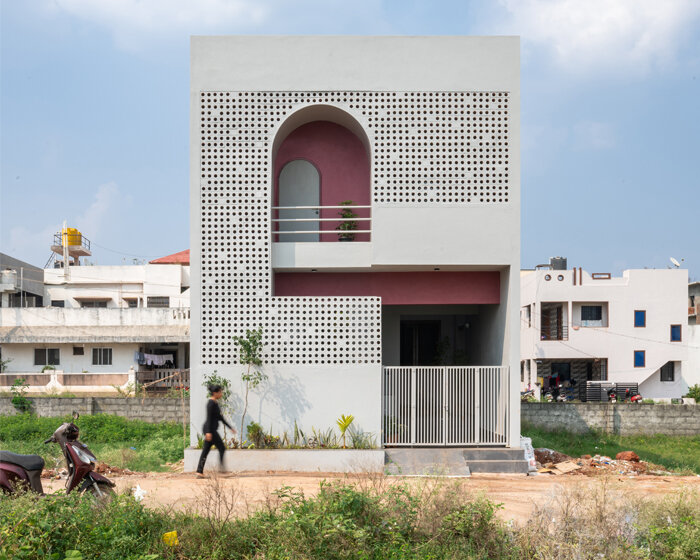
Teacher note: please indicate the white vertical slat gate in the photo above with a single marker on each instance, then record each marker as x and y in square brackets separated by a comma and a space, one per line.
[444, 406]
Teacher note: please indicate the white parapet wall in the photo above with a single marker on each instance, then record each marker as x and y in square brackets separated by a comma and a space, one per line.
[293, 460]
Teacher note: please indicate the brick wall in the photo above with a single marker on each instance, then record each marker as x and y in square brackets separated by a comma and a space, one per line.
[152, 410]
[619, 418]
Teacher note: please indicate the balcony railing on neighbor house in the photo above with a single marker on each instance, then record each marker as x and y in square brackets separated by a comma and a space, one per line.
[308, 222]
[555, 332]
[443, 406]
[163, 379]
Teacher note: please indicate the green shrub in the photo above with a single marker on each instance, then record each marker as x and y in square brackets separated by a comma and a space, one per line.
[48, 528]
[670, 528]
[19, 390]
[693, 393]
[430, 520]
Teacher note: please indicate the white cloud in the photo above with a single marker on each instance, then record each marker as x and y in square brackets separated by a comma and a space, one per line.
[103, 214]
[134, 21]
[618, 35]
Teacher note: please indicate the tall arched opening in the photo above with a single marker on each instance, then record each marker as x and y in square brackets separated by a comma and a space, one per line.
[321, 149]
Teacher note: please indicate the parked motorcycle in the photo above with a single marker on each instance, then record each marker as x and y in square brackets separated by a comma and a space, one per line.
[16, 470]
[612, 395]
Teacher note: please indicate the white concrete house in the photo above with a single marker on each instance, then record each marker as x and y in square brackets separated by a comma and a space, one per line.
[95, 323]
[403, 312]
[693, 366]
[595, 327]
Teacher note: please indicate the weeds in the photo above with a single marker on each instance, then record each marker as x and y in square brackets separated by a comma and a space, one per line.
[364, 518]
[129, 390]
[19, 390]
[132, 444]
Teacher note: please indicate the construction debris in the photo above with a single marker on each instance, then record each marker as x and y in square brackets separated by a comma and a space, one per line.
[626, 463]
[627, 456]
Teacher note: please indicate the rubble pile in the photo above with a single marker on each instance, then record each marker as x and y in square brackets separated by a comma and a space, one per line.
[625, 463]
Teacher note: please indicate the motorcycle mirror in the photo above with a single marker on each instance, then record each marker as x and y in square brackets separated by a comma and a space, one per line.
[75, 415]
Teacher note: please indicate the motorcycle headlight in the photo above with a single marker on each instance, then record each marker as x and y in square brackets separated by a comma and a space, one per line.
[83, 456]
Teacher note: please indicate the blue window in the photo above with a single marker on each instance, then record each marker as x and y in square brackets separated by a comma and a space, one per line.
[640, 318]
[675, 333]
[639, 358]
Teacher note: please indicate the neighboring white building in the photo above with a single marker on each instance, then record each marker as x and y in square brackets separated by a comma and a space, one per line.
[594, 327]
[412, 325]
[693, 333]
[94, 324]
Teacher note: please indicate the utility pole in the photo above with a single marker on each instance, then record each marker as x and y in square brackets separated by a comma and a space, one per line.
[64, 243]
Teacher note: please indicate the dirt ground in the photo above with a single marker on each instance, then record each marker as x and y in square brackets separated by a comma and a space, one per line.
[519, 493]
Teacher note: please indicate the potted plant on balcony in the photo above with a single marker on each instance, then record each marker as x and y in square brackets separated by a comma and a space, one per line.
[349, 224]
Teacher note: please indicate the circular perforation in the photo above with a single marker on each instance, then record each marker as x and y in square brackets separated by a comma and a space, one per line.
[428, 148]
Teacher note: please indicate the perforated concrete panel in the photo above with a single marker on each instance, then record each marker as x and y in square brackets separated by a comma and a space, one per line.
[428, 148]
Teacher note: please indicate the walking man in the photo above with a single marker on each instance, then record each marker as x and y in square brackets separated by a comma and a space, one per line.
[211, 426]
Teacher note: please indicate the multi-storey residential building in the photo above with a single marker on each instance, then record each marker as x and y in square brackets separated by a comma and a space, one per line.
[693, 333]
[359, 199]
[693, 302]
[99, 326]
[584, 326]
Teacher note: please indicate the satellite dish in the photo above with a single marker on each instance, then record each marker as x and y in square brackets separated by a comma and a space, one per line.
[675, 262]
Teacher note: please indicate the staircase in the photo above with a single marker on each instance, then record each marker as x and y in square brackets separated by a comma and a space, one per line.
[453, 461]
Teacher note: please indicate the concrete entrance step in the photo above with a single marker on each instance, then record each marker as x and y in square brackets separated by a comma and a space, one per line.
[425, 462]
[442, 461]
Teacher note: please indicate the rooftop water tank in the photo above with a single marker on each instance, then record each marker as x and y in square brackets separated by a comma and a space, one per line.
[71, 236]
[557, 263]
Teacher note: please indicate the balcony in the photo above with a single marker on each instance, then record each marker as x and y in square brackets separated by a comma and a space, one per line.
[554, 321]
[293, 224]
[61, 325]
[317, 237]
[555, 332]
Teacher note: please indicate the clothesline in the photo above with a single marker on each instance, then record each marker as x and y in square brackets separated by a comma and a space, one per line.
[144, 359]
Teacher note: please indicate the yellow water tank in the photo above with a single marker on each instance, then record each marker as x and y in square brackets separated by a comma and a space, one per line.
[71, 236]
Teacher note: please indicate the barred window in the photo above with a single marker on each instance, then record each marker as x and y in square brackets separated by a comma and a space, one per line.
[101, 356]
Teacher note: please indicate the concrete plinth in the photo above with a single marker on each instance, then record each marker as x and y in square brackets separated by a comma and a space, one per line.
[294, 460]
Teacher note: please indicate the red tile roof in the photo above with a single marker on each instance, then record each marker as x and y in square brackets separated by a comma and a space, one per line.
[183, 257]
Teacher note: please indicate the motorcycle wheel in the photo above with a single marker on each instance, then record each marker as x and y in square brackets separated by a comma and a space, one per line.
[102, 492]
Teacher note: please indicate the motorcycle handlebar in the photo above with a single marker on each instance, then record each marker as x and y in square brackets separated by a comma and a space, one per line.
[49, 440]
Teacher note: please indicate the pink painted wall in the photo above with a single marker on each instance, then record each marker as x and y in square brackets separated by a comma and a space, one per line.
[342, 163]
[396, 288]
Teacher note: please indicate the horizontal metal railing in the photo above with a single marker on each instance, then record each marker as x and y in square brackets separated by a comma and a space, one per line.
[163, 378]
[555, 332]
[284, 222]
[59, 237]
[442, 406]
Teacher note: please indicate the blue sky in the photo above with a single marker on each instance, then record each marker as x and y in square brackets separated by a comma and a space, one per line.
[94, 117]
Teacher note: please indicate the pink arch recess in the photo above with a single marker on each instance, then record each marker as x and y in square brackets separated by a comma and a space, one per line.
[342, 162]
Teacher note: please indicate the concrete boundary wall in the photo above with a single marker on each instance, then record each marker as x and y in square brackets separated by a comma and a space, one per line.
[152, 410]
[620, 418]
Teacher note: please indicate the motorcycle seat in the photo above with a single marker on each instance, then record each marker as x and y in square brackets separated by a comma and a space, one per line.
[27, 462]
